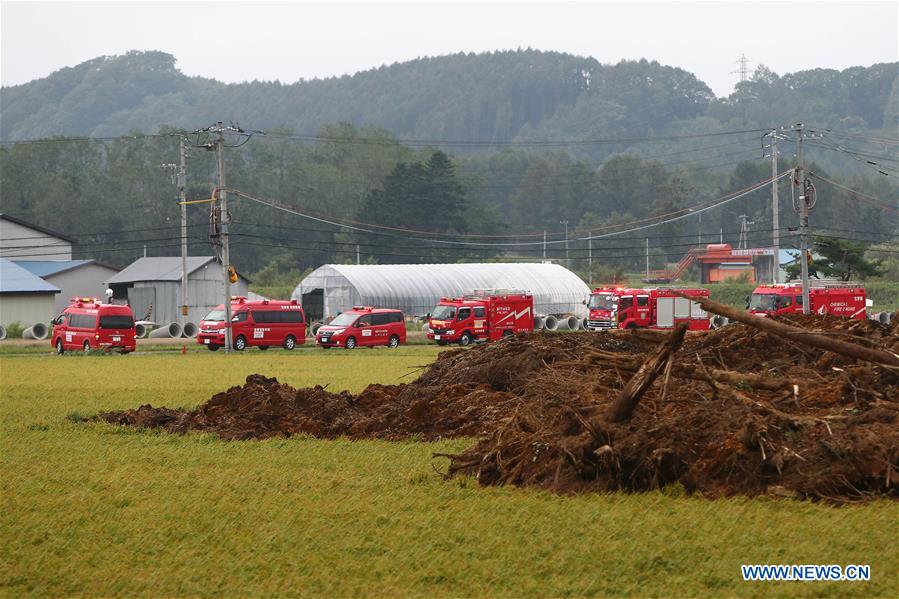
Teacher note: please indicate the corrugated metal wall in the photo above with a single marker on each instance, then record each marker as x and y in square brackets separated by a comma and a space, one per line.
[204, 292]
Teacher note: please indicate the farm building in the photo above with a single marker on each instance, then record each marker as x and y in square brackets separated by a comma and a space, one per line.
[416, 288]
[21, 240]
[152, 286]
[24, 297]
[75, 278]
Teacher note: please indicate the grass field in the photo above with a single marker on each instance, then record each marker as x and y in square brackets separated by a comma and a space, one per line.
[96, 510]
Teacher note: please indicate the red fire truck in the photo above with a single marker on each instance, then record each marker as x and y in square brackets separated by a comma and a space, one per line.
[261, 323]
[485, 314]
[847, 301]
[654, 308]
[89, 324]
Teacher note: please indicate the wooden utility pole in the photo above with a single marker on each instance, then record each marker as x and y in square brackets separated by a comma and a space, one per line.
[182, 194]
[799, 180]
[775, 209]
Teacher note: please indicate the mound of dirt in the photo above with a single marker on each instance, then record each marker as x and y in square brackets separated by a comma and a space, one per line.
[737, 411]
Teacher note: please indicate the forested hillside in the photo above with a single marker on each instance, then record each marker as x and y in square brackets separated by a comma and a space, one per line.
[499, 96]
[480, 155]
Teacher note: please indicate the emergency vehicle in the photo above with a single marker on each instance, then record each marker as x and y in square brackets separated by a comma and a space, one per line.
[88, 324]
[363, 326]
[847, 301]
[653, 308]
[255, 323]
[485, 314]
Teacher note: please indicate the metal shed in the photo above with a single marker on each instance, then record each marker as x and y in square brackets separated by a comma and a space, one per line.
[416, 288]
[76, 278]
[24, 297]
[153, 286]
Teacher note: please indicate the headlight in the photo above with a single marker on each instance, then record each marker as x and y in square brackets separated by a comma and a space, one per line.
[451, 332]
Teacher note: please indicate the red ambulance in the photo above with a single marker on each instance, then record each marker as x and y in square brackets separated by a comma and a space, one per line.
[363, 326]
[255, 323]
[88, 324]
[485, 314]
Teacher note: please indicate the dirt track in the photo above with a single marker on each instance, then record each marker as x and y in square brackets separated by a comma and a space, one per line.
[537, 402]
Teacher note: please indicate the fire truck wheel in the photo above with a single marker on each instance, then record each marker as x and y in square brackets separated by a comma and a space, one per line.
[59, 348]
[441, 343]
[263, 347]
[394, 342]
[213, 347]
[289, 343]
[465, 339]
[87, 346]
[350, 343]
[631, 325]
[507, 334]
[240, 343]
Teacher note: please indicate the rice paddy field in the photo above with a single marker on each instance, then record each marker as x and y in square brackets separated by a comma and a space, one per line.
[92, 509]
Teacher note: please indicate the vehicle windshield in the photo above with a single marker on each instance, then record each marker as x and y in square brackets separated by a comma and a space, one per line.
[215, 316]
[343, 320]
[444, 313]
[763, 302]
[117, 321]
[601, 301]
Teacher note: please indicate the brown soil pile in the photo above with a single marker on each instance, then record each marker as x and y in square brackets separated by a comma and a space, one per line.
[538, 403]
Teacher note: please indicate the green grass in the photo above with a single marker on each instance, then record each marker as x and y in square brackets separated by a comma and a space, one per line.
[92, 509]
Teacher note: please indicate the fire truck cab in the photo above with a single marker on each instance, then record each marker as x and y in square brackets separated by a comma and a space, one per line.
[483, 315]
[255, 323]
[654, 308]
[88, 324]
[846, 301]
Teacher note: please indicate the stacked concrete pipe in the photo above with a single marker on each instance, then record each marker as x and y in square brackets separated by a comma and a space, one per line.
[2, 332]
[140, 330]
[551, 323]
[36, 331]
[539, 322]
[315, 327]
[574, 323]
[172, 330]
[189, 330]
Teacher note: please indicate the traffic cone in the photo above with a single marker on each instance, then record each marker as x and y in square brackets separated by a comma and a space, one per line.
[183, 350]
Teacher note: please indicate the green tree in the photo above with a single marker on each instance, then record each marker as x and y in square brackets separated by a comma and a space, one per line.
[838, 258]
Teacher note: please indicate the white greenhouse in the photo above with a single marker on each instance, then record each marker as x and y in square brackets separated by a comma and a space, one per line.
[416, 288]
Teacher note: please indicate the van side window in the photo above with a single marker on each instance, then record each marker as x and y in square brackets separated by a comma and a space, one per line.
[479, 312]
[396, 317]
[82, 321]
[464, 313]
[365, 321]
[240, 317]
[381, 318]
[292, 316]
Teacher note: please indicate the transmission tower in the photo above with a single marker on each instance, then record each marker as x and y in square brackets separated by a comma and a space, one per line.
[743, 71]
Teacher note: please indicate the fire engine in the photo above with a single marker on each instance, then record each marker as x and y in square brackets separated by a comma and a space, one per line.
[485, 314]
[89, 324]
[847, 301]
[654, 308]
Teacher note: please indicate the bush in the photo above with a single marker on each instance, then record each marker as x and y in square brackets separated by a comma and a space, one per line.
[14, 330]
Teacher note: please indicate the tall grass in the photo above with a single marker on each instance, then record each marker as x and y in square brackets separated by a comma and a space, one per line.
[97, 510]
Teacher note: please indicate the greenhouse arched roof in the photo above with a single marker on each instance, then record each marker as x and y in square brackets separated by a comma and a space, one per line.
[416, 288]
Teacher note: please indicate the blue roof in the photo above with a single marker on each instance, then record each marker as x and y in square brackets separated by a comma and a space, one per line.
[15, 279]
[48, 268]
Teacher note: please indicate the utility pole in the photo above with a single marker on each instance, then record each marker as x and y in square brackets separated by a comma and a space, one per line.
[744, 231]
[647, 257]
[565, 222]
[775, 209]
[182, 194]
[544, 244]
[590, 257]
[803, 218]
[358, 261]
[223, 230]
[700, 229]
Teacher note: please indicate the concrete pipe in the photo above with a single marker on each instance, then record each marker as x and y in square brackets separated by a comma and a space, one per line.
[37, 331]
[883, 317]
[574, 323]
[539, 322]
[425, 328]
[2, 332]
[140, 330]
[583, 324]
[315, 327]
[719, 321]
[172, 330]
[551, 323]
[189, 330]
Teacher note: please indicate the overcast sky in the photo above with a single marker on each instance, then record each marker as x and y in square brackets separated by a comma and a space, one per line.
[288, 40]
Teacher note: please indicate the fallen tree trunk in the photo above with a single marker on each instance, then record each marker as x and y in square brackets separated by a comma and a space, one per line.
[623, 406]
[799, 335]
